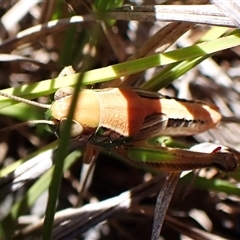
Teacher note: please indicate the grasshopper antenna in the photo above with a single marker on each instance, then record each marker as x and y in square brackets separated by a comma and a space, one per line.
[28, 123]
[230, 119]
[20, 99]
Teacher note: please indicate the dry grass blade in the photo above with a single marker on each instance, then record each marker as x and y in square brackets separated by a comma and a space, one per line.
[230, 8]
[17, 58]
[162, 203]
[40, 31]
[70, 223]
[12, 17]
[26, 172]
[190, 231]
[196, 14]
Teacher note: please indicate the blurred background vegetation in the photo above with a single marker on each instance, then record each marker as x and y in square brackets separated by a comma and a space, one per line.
[176, 54]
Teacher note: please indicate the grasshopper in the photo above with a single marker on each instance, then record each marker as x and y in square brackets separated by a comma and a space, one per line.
[118, 116]
[128, 117]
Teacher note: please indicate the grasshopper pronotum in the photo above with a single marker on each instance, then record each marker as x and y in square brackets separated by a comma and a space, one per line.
[116, 116]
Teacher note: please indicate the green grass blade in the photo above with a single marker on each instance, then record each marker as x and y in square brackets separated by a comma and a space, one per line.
[123, 69]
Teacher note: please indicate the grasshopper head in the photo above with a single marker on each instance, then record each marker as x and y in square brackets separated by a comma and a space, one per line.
[86, 117]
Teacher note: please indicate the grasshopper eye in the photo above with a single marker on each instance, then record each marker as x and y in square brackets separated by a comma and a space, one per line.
[63, 92]
[76, 129]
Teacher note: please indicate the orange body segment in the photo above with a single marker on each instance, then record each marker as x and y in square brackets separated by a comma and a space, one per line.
[87, 111]
[122, 111]
[131, 113]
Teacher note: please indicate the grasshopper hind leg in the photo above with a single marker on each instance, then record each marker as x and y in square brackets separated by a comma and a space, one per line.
[151, 126]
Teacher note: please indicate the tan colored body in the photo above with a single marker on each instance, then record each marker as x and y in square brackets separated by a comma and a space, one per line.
[110, 117]
[137, 114]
